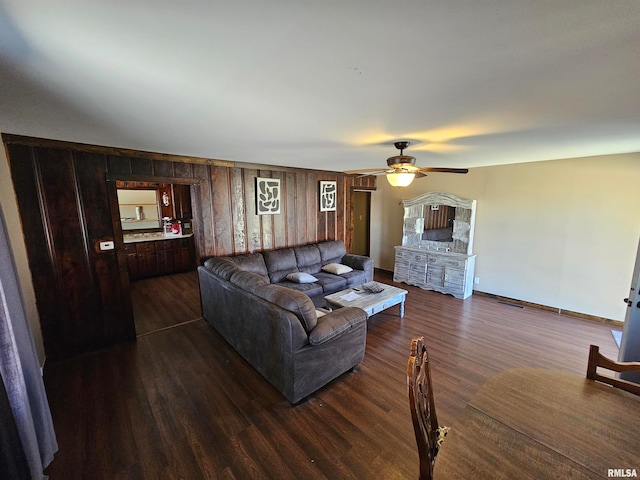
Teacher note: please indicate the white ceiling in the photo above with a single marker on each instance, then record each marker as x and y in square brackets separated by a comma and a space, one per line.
[321, 83]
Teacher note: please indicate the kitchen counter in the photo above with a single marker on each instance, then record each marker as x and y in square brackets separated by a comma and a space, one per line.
[151, 237]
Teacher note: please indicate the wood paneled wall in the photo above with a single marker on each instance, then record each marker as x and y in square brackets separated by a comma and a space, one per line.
[441, 218]
[67, 200]
[81, 292]
[230, 225]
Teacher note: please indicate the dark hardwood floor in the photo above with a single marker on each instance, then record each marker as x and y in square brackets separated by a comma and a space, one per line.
[181, 404]
[164, 302]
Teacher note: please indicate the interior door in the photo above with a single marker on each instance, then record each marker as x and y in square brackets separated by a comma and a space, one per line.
[361, 223]
[630, 344]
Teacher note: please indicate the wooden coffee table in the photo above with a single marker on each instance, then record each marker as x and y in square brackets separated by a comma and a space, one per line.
[371, 303]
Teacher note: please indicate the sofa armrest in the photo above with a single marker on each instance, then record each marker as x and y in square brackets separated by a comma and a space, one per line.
[359, 262]
[337, 323]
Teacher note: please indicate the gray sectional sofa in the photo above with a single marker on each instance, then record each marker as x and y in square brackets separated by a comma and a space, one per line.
[273, 322]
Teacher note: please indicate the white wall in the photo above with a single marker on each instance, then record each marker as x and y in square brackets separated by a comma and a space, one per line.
[12, 219]
[562, 233]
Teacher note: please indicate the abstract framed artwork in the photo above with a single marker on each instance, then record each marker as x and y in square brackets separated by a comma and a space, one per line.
[268, 197]
[328, 196]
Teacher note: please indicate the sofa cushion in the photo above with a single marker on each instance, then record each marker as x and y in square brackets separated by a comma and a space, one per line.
[296, 302]
[301, 277]
[332, 252]
[310, 289]
[280, 263]
[336, 268]
[308, 258]
[335, 324]
[251, 262]
[355, 277]
[223, 267]
[248, 281]
[331, 283]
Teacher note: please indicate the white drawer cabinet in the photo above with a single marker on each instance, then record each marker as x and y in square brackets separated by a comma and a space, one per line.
[443, 272]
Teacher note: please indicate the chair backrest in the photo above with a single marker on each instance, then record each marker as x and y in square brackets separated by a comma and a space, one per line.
[596, 359]
[429, 435]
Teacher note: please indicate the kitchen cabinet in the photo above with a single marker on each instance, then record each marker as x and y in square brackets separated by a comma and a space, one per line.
[160, 257]
[182, 201]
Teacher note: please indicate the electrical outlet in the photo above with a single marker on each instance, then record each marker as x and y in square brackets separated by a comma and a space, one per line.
[476, 280]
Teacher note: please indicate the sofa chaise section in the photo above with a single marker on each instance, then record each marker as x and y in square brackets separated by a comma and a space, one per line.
[276, 329]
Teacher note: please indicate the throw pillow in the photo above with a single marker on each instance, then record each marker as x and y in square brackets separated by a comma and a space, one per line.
[337, 268]
[301, 277]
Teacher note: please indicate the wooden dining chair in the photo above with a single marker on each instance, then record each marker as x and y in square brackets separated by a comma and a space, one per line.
[429, 435]
[596, 359]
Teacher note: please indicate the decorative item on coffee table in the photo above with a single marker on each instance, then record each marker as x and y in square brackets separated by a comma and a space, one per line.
[372, 287]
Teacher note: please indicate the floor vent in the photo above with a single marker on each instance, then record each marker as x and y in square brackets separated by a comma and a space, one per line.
[510, 304]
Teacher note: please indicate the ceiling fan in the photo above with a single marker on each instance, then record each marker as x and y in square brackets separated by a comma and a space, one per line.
[402, 168]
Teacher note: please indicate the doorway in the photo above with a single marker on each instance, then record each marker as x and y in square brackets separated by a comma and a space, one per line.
[160, 258]
[361, 223]
[630, 344]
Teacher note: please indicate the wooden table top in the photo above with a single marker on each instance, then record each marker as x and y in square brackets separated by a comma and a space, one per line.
[365, 300]
[542, 424]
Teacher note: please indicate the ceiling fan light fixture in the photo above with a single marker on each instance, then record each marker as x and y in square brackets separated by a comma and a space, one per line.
[401, 179]
[402, 168]
[400, 161]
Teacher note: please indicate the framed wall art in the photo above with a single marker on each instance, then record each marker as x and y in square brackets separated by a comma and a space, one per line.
[328, 196]
[268, 196]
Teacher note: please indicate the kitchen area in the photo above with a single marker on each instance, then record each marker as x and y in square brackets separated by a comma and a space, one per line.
[157, 228]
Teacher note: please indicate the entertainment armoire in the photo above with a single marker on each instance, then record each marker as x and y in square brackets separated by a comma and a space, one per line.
[437, 241]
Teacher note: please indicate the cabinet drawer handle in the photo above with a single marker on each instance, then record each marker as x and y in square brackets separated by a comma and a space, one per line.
[432, 260]
[456, 264]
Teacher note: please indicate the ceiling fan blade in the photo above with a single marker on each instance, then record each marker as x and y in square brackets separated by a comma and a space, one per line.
[391, 143]
[369, 171]
[420, 174]
[444, 170]
[371, 174]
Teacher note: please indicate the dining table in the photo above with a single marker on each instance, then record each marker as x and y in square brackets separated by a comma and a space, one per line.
[536, 423]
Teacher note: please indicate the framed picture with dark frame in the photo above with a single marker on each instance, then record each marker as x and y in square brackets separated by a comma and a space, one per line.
[328, 196]
[268, 196]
